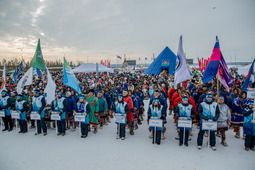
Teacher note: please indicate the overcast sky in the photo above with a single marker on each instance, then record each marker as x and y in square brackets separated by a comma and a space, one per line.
[102, 29]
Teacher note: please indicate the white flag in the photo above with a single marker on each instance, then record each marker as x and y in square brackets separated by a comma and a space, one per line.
[3, 79]
[50, 89]
[26, 80]
[181, 70]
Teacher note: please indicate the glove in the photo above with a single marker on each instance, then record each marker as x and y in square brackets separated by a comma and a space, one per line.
[39, 112]
[214, 119]
[61, 112]
[162, 117]
[206, 118]
[96, 113]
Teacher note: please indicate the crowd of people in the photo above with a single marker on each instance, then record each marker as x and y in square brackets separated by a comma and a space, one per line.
[105, 95]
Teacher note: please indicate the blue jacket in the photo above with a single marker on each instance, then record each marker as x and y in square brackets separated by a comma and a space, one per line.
[184, 110]
[135, 102]
[71, 105]
[163, 103]
[81, 108]
[5, 105]
[22, 107]
[208, 110]
[249, 127]
[109, 99]
[155, 113]
[60, 105]
[38, 104]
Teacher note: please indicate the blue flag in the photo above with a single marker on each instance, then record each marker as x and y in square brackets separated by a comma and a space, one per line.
[249, 78]
[15, 77]
[69, 78]
[19, 70]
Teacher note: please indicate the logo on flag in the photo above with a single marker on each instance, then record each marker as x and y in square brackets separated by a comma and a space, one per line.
[178, 62]
[165, 63]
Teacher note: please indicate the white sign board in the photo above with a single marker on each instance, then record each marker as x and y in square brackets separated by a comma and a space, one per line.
[209, 125]
[184, 122]
[250, 93]
[118, 118]
[15, 114]
[55, 116]
[35, 116]
[79, 117]
[2, 114]
[156, 122]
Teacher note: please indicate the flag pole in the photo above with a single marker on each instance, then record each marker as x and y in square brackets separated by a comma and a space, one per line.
[217, 87]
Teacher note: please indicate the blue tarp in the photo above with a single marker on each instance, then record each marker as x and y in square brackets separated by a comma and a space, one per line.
[165, 60]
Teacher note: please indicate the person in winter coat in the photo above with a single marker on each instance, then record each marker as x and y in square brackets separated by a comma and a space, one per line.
[94, 108]
[103, 107]
[224, 120]
[71, 106]
[38, 105]
[83, 108]
[184, 109]
[249, 126]
[60, 105]
[207, 110]
[130, 117]
[21, 106]
[121, 107]
[237, 118]
[135, 111]
[155, 111]
[163, 102]
[5, 105]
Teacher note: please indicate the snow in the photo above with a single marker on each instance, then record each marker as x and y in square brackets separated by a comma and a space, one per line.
[104, 151]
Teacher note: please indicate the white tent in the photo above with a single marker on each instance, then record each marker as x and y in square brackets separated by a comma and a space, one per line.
[91, 68]
[244, 70]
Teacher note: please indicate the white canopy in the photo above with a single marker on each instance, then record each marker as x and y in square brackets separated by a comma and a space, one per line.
[244, 70]
[91, 68]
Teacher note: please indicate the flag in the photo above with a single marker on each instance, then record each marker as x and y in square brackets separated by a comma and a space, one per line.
[19, 70]
[249, 78]
[14, 77]
[214, 62]
[119, 57]
[3, 80]
[69, 78]
[50, 88]
[37, 72]
[26, 80]
[223, 75]
[37, 60]
[181, 70]
[109, 64]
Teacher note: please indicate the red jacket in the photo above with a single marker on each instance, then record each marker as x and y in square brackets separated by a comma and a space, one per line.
[129, 102]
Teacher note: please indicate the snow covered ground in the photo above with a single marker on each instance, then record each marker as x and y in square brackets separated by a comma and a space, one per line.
[104, 151]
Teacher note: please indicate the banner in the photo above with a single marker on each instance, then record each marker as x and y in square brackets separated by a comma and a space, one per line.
[27, 79]
[37, 60]
[50, 88]
[181, 71]
[69, 78]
